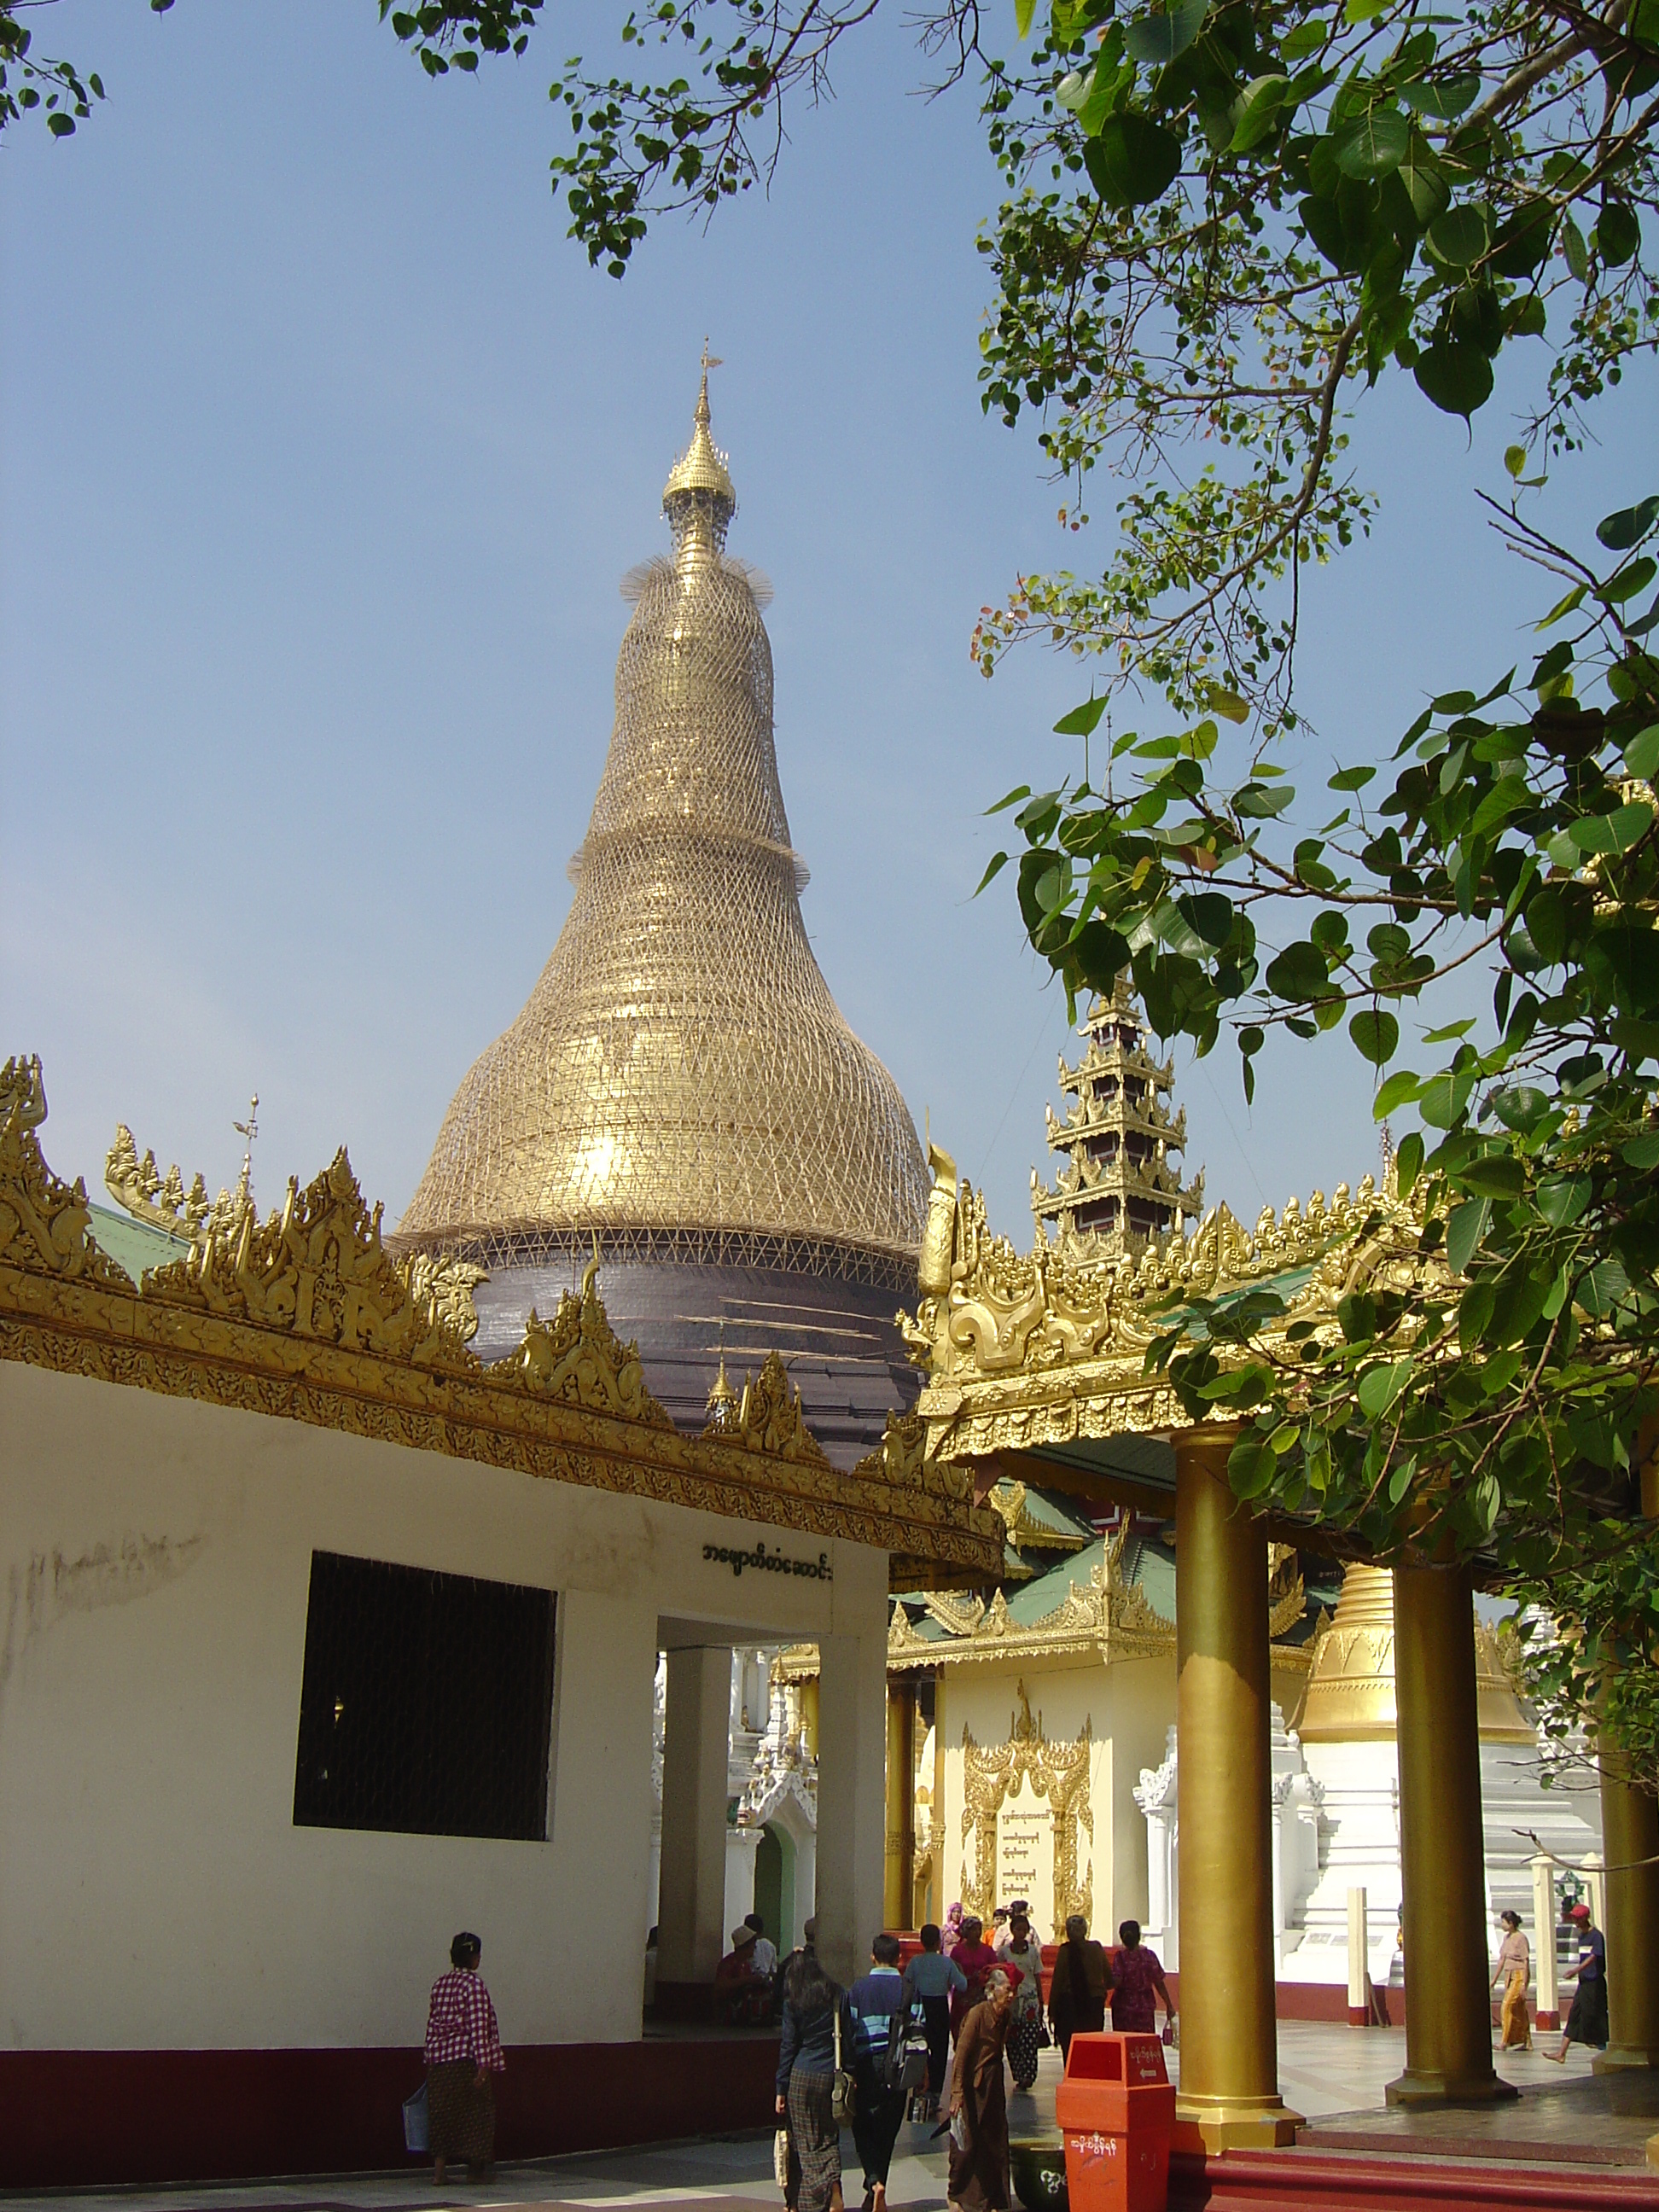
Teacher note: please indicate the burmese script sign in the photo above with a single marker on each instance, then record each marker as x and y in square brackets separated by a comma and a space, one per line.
[1025, 1854]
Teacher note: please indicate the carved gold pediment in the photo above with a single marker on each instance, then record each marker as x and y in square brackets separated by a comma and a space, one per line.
[45, 1224]
[1048, 1347]
[770, 1419]
[579, 1357]
[159, 1201]
[316, 1268]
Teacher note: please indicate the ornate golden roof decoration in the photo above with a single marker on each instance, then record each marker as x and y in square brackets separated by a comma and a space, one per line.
[579, 1357]
[770, 1419]
[160, 1202]
[1287, 1592]
[316, 1268]
[45, 1224]
[1024, 1529]
[1028, 1349]
[306, 1317]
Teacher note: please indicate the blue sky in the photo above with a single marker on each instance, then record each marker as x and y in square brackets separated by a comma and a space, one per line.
[322, 454]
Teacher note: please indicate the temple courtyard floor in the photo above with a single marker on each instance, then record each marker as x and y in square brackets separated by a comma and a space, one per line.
[1572, 2139]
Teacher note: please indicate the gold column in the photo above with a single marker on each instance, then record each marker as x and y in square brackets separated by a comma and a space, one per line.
[899, 1884]
[1441, 1843]
[1228, 2052]
[809, 1714]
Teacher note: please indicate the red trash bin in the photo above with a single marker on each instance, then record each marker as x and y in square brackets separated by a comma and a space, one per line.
[1116, 2110]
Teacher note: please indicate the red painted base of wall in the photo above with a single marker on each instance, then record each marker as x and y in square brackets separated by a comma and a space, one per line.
[83, 2116]
[1313, 2181]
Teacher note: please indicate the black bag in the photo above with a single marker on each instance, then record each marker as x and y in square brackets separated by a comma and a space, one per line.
[904, 2064]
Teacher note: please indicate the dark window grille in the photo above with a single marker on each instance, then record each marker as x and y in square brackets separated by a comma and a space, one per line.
[426, 1703]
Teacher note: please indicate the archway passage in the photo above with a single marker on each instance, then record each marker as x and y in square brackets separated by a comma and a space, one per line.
[774, 1885]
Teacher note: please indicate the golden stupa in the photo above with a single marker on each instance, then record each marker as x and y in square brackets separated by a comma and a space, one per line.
[1350, 1698]
[681, 1070]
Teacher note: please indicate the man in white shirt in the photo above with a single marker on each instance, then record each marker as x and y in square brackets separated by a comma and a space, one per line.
[766, 1952]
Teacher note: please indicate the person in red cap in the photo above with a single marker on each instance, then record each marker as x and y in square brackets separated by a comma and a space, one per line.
[1587, 2020]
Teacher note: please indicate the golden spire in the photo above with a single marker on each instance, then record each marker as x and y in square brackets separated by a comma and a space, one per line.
[681, 1066]
[699, 477]
[722, 1404]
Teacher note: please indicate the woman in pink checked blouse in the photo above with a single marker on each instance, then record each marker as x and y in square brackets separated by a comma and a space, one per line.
[463, 2050]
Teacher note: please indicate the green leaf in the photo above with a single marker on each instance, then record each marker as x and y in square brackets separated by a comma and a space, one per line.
[1562, 1200]
[1082, 722]
[1257, 111]
[1251, 1465]
[1228, 704]
[998, 862]
[1642, 1152]
[1612, 833]
[1401, 1090]
[1011, 799]
[1497, 1176]
[1408, 1163]
[1372, 144]
[1444, 1098]
[1642, 753]
[1456, 378]
[1466, 1229]
[1157, 38]
[1603, 1287]
[1618, 233]
[1619, 531]
[1459, 238]
[1025, 11]
[1574, 250]
[1308, 37]
[1376, 1034]
[1379, 1386]
[1300, 974]
[1445, 98]
[1132, 161]
[1350, 779]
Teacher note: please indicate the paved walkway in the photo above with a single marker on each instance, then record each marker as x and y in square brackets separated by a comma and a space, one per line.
[1333, 2075]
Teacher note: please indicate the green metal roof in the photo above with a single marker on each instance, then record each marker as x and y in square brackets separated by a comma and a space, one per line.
[133, 1244]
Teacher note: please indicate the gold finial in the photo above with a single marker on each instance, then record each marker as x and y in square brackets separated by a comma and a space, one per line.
[247, 1130]
[702, 467]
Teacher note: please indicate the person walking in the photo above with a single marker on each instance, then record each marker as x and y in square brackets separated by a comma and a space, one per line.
[951, 1934]
[979, 2111]
[1587, 2023]
[974, 1958]
[1137, 1980]
[880, 2005]
[463, 2050]
[1077, 1993]
[814, 2007]
[1023, 1955]
[930, 1979]
[1514, 1971]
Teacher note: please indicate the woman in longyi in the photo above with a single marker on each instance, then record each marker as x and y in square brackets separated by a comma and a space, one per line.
[979, 2111]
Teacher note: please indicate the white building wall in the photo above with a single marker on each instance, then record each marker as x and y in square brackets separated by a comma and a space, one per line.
[154, 1890]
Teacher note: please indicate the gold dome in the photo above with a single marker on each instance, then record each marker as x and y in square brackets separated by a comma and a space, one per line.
[681, 1065]
[1350, 1698]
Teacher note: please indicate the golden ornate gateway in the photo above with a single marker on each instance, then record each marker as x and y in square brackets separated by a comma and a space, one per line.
[1056, 1772]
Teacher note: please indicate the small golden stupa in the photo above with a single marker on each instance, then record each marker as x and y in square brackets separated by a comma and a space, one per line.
[1350, 1698]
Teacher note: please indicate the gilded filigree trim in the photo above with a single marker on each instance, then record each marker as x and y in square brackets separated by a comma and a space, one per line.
[1056, 1772]
[306, 1317]
[45, 1224]
[769, 1419]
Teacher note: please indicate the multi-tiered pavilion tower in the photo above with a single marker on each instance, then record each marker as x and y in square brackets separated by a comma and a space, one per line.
[1122, 1187]
[681, 1085]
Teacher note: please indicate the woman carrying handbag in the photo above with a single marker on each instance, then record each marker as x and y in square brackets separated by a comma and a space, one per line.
[814, 2085]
